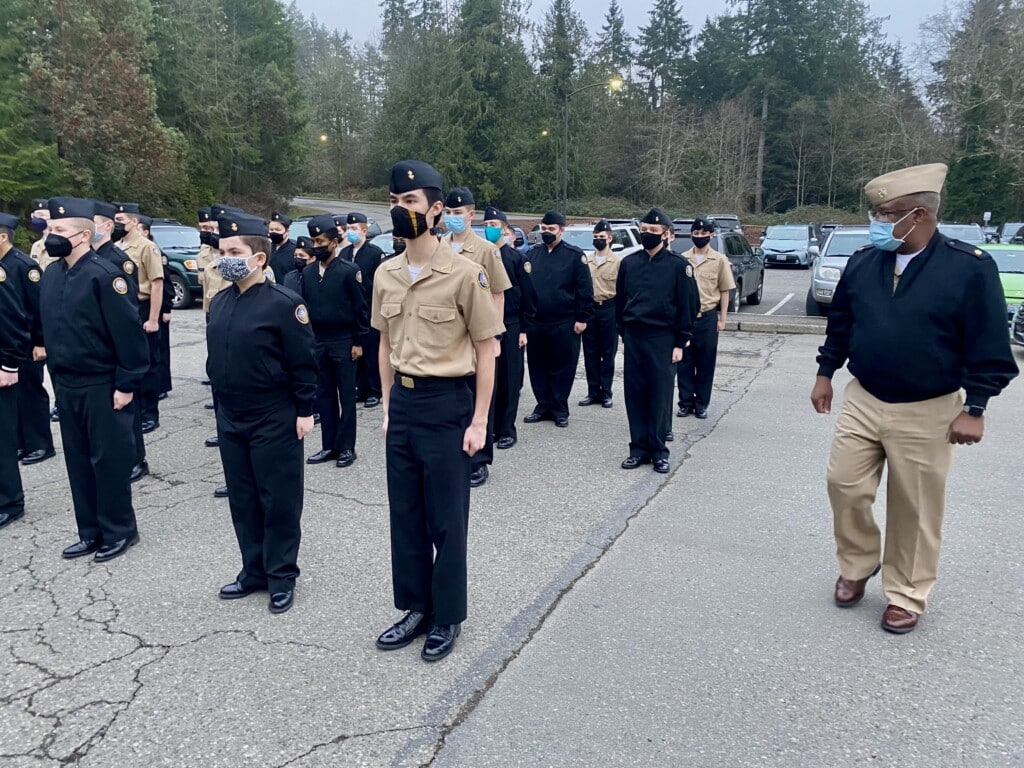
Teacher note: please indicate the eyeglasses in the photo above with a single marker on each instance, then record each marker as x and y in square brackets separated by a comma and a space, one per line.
[888, 215]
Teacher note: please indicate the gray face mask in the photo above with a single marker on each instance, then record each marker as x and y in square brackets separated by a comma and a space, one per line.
[235, 268]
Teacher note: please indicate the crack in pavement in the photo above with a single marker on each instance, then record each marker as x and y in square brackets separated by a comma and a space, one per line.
[348, 737]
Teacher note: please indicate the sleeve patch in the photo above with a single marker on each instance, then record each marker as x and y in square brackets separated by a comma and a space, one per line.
[120, 285]
[527, 267]
[689, 270]
[583, 259]
[359, 276]
[128, 267]
[3, 274]
[482, 278]
[302, 314]
[34, 275]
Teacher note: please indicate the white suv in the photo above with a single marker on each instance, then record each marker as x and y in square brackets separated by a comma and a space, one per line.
[625, 238]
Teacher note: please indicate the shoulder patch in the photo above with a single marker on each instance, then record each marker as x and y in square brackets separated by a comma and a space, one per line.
[359, 275]
[583, 259]
[34, 274]
[302, 314]
[120, 285]
[482, 278]
[3, 274]
[128, 267]
[527, 267]
[689, 270]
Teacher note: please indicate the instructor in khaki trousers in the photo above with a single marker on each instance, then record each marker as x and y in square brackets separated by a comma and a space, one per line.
[917, 317]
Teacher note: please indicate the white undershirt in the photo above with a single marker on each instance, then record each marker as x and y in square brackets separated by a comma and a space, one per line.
[903, 259]
[600, 259]
[699, 257]
[455, 246]
[414, 272]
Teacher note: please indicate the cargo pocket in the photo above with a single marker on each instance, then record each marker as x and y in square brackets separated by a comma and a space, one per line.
[438, 327]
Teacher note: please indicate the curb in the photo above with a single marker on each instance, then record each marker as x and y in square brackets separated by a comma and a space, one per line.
[760, 324]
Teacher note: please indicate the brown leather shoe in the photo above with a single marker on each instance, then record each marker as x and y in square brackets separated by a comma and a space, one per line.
[850, 591]
[898, 620]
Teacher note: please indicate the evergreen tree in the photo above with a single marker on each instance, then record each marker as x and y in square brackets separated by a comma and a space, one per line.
[614, 44]
[664, 56]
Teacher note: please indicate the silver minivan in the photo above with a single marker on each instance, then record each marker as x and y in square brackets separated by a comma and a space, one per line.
[829, 266]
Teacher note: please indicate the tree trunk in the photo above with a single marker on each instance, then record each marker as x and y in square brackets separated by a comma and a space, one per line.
[759, 172]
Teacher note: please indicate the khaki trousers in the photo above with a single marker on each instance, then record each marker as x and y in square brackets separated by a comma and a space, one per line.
[911, 439]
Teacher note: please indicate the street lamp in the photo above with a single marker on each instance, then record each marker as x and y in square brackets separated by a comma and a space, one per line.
[323, 137]
[614, 84]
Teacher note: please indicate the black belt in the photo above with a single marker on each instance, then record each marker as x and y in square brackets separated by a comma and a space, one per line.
[706, 312]
[600, 302]
[427, 382]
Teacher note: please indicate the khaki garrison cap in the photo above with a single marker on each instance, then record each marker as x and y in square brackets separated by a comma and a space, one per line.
[906, 181]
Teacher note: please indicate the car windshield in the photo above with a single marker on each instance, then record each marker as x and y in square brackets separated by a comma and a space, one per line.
[786, 233]
[843, 244]
[581, 238]
[969, 233]
[1010, 229]
[1009, 262]
[176, 238]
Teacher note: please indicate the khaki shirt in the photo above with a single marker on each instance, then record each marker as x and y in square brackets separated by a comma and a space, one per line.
[433, 322]
[40, 255]
[713, 275]
[487, 255]
[603, 276]
[148, 263]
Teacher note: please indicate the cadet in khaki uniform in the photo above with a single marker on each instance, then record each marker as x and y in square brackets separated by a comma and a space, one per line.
[601, 339]
[150, 274]
[459, 211]
[435, 315]
[917, 317]
[40, 219]
[712, 270]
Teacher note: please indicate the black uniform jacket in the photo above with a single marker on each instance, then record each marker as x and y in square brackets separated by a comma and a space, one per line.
[942, 329]
[521, 298]
[25, 276]
[656, 295]
[336, 302]
[15, 324]
[565, 291]
[367, 259]
[282, 260]
[260, 348]
[91, 326]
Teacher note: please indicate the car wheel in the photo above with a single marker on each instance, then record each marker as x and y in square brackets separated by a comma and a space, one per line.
[813, 308]
[734, 298]
[182, 295]
[755, 298]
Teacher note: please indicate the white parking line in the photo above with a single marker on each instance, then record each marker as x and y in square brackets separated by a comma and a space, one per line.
[780, 305]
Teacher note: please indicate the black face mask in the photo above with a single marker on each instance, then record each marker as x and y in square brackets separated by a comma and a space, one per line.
[407, 224]
[600, 245]
[399, 248]
[57, 246]
[119, 232]
[650, 240]
[277, 238]
[206, 238]
[38, 224]
[548, 237]
[322, 253]
[300, 264]
[700, 242]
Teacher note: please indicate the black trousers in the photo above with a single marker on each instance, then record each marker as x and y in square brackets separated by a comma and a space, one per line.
[99, 452]
[213, 389]
[32, 409]
[263, 467]
[647, 383]
[600, 343]
[147, 395]
[336, 383]
[486, 454]
[696, 371]
[12, 495]
[428, 490]
[553, 352]
[367, 368]
[508, 382]
[165, 358]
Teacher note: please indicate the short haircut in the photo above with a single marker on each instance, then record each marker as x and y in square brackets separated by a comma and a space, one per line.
[257, 244]
[9, 232]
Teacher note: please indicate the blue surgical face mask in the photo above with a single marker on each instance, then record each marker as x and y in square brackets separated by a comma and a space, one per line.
[352, 236]
[493, 234]
[881, 234]
[455, 224]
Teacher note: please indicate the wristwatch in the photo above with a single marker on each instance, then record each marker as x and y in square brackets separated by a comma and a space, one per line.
[974, 410]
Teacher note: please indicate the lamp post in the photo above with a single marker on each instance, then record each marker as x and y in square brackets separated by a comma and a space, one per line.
[615, 84]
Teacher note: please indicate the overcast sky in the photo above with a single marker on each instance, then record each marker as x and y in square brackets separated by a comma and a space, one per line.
[362, 19]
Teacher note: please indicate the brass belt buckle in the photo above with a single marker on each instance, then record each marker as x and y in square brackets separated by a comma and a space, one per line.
[407, 382]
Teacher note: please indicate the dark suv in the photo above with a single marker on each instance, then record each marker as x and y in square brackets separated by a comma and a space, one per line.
[747, 268]
[180, 244]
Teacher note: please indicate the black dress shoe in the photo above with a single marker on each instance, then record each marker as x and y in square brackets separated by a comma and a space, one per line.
[139, 471]
[235, 590]
[661, 466]
[670, 437]
[281, 601]
[700, 412]
[684, 410]
[506, 442]
[209, 406]
[607, 402]
[221, 492]
[400, 634]
[206, 382]
[115, 549]
[34, 457]
[562, 421]
[479, 476]
[533, 418]
[371, 402]
[322, 457]
[149, 426]
[440, 641]
[6, 518]
[81, 549]
[212, 442]
[632, 462]
[345, 459]
[589, 400]
[54, 414]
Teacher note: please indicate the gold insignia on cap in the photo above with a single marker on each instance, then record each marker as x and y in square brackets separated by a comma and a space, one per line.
[60, 209]
[120, 285]
[120, 208]
[527, 267]
[34, 275]
[316, 230]
[302, 314]
[459, 198]
[410, 174]
[881, 193]
[234, 227]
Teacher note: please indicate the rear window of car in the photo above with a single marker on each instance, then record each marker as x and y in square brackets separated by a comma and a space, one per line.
[175, 238]
[786, 233]
[1009, 262]
[969, 233]
[845, 243]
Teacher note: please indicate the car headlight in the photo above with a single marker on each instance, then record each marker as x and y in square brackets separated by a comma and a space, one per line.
[191, 265]
[829, 273]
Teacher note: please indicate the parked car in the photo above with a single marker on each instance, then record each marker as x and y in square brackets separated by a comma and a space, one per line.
[1010, 261]
[790, 244]
[726, 222]
[969, 233]
[747, 267]
[180, 244]
[520, 243]
[841, 243]
[300, 227]
[825, 229]
[991, 234]
[625, 238]
[1009, 230]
